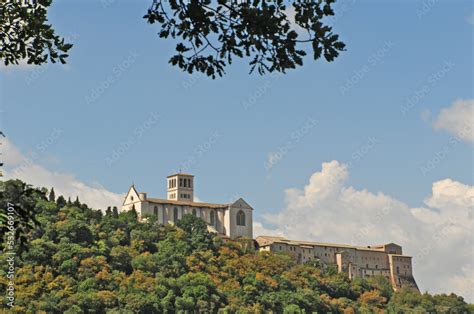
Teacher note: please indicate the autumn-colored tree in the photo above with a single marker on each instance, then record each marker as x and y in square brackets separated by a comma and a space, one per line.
[81, 261]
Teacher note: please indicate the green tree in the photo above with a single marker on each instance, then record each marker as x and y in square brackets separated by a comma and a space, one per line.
[81, 261]
[18, 216]
[77, 203]
[210, 33]
[26, 35]
[61, 201]
[52, 197]
[115, 212]
[196, 231]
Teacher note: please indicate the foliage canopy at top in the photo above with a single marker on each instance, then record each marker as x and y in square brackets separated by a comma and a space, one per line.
[210, 33]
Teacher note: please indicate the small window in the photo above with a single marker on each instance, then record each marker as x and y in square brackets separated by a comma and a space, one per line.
[155, 210]
[175, 214]
[240, 218]
[194, 212]
[131, 198]
[213, 218]
[180, 182]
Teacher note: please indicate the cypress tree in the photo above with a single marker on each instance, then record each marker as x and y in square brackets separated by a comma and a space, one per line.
[77, 202]
[115, 212]
[61, 201]
[52, 196]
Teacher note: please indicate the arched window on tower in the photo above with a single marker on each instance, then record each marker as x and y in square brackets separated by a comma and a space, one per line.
[213, 218]
[155, 210]
[175, 214]
[240, 218]
[194, 212]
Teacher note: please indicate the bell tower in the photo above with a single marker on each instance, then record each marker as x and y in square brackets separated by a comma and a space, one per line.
[180, 187]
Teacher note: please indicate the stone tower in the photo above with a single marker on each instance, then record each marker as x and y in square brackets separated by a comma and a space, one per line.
[180, 187]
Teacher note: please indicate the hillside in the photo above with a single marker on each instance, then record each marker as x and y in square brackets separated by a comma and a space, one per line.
[79, 260]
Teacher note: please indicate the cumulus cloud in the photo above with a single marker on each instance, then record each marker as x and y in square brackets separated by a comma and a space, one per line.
[458, 119]
[26, 168]
[437, 235]
[259, 229]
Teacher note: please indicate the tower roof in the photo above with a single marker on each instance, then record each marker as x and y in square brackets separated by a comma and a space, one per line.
[180, 174]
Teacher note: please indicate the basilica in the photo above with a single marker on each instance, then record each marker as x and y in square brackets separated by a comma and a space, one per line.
[234, 220]
[231, 220]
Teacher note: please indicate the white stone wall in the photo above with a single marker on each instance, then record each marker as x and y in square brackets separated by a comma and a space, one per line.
[230, 223]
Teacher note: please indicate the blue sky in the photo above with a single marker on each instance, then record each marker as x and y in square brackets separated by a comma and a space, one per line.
[376, 108]
[400, 44]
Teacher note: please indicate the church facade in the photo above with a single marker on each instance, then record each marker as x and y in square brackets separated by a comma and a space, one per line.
[233, 220]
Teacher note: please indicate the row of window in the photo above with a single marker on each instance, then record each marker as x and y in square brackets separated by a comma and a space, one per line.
[184, 195]
[372, 258]
[212, 216]
[183, 183]
[172, 183]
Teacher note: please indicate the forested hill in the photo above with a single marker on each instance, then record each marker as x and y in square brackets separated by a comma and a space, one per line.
[79, 260]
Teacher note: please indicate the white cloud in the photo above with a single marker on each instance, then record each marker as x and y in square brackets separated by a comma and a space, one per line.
[437, 235]
[26, 168]
[259, 229]
[458, 119]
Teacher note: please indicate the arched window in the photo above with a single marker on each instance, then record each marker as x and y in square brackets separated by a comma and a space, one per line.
[194, 212]
[240, 218]
[175, 214]
[155, 210]
[213, 218]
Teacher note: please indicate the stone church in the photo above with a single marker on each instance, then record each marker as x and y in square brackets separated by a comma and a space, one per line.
[232, 220]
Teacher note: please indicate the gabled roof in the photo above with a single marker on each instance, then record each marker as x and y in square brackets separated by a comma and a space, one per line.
[240, 203]
[131, 189]
[186, 203]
